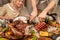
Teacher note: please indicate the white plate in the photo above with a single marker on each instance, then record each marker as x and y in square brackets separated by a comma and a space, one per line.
[58, 38]
[24, 19]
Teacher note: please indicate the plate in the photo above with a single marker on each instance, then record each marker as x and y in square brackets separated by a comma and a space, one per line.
[24, 19]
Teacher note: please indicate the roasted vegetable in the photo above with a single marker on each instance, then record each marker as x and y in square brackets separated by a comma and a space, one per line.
[3, 39]
[34, 38]
[4, 29]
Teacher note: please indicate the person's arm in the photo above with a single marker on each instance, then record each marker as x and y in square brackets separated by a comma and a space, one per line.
[50, 6]
[34, 4]
[34, 12]
[6, 18]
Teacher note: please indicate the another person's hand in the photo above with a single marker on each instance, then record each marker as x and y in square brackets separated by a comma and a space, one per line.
[42, 16]
[7, 18]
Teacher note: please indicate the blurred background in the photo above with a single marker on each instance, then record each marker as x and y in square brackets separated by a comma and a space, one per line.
[57, 10]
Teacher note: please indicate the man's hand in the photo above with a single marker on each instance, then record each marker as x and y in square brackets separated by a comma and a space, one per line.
[42, 16]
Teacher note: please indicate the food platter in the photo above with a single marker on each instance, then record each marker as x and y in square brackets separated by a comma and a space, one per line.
[20, 29]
